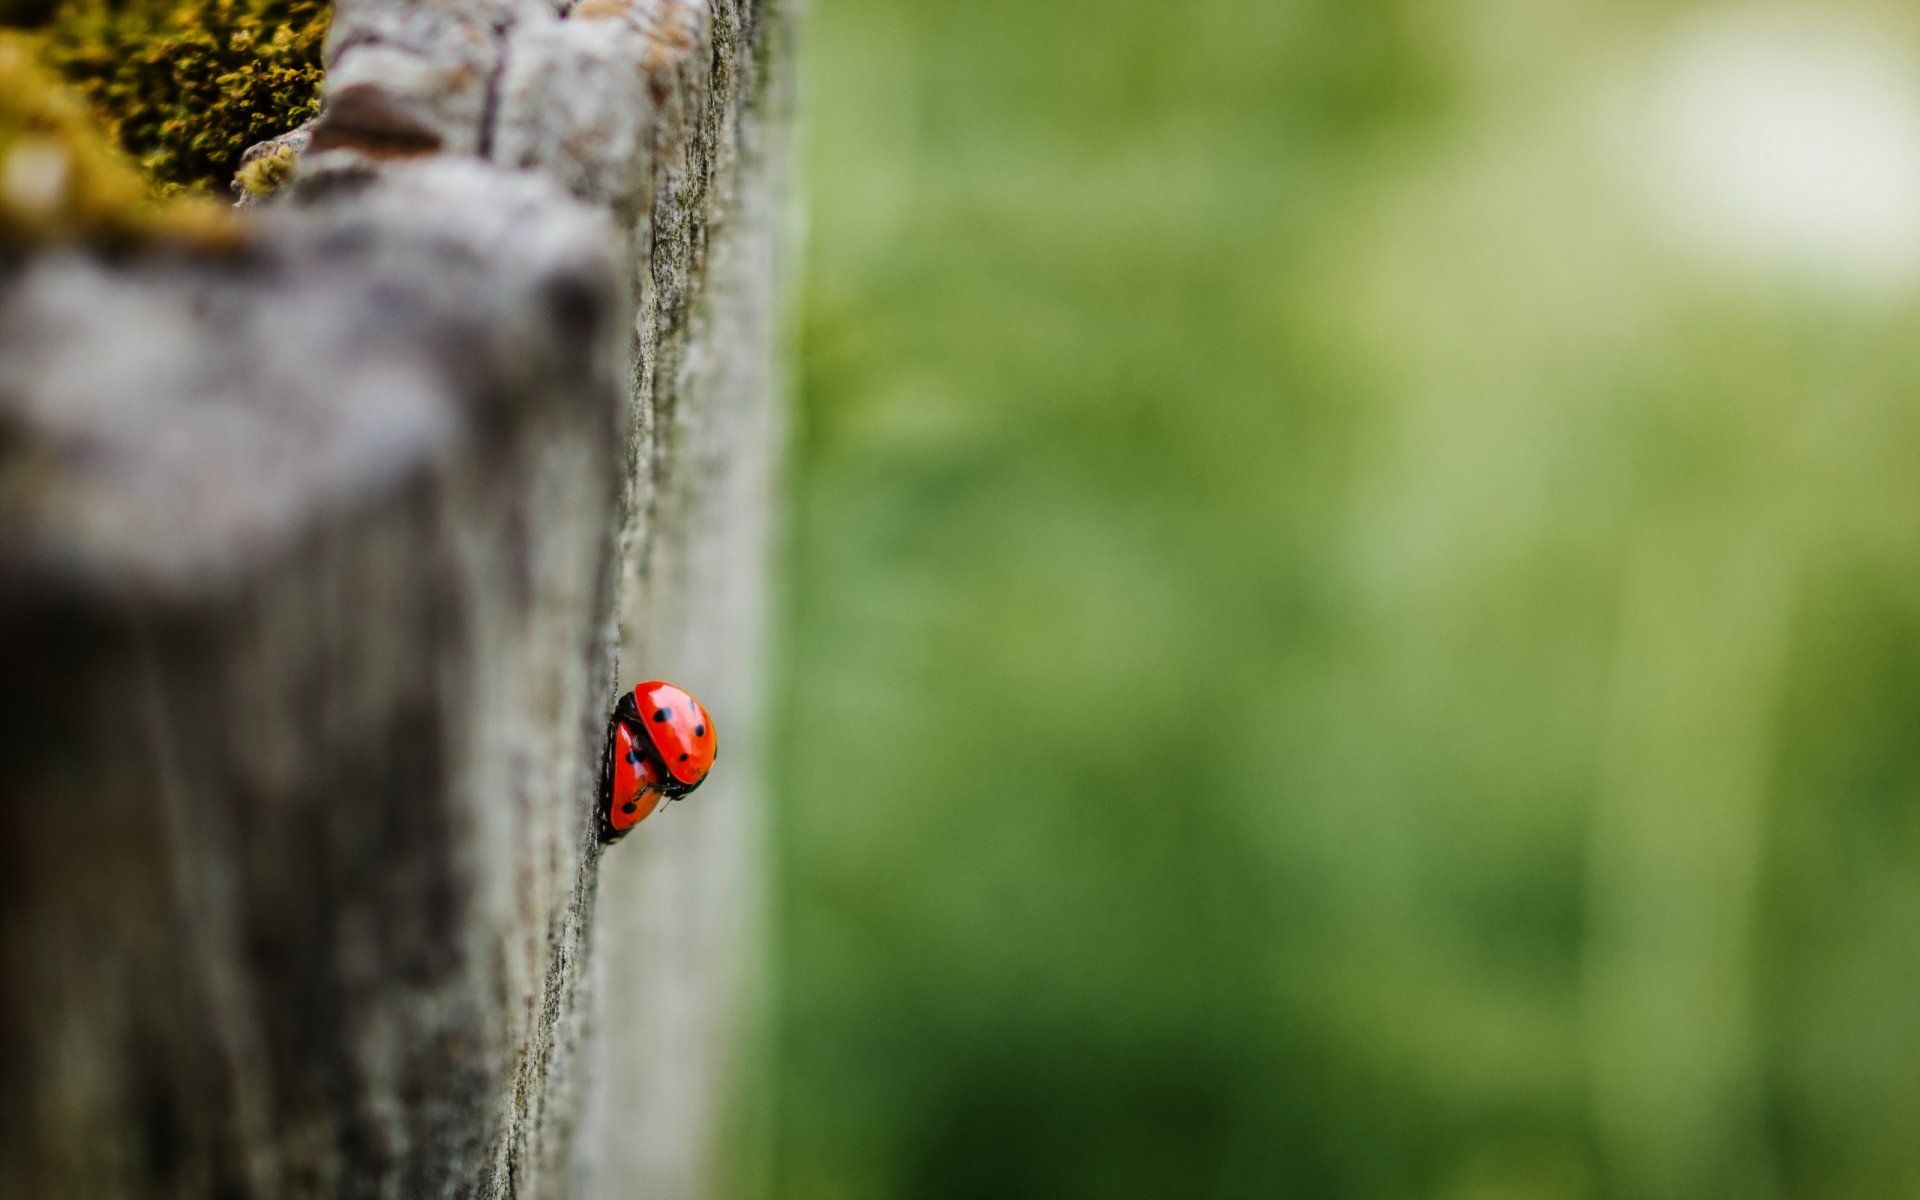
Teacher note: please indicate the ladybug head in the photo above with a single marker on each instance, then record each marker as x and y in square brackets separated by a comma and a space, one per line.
[678, 730]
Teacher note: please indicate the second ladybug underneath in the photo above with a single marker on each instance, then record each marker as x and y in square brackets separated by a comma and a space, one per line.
[660, 745]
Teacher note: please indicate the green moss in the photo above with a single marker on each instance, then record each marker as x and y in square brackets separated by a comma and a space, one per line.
[185, 86]
[61, 180]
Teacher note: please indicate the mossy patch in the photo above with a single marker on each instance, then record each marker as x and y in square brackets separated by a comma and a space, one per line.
[265, 174]
[61, 180]
[185, 86]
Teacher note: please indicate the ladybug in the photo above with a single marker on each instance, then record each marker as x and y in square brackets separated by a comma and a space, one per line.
[660, 745]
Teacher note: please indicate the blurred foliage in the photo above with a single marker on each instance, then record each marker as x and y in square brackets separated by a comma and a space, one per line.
[1330, 657]
[185, 86]
[62, 181]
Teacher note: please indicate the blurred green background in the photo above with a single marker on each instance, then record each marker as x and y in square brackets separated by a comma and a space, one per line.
[1354, 624]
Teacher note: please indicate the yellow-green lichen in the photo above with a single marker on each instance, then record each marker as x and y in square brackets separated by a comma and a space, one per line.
[264, 175]
[185, 86]
[62, 181]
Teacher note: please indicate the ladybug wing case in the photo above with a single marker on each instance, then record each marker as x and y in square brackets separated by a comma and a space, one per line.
[632, 786]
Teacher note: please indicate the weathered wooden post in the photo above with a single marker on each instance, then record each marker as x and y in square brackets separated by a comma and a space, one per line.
[320, 562]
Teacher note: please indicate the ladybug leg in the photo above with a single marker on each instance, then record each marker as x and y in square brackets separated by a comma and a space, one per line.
[606, 766]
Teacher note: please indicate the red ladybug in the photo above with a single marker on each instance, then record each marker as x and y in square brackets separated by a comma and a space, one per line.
[660, 746]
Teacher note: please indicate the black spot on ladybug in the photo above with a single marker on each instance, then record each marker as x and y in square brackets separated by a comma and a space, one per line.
[633, 758]
[630, 807]
[699, 731]
[662, 714]
[683, 758]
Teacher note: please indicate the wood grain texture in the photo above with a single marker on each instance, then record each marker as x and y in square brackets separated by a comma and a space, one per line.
[319, 566]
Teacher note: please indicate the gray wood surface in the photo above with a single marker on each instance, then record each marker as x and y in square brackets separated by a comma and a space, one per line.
[320, 565]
